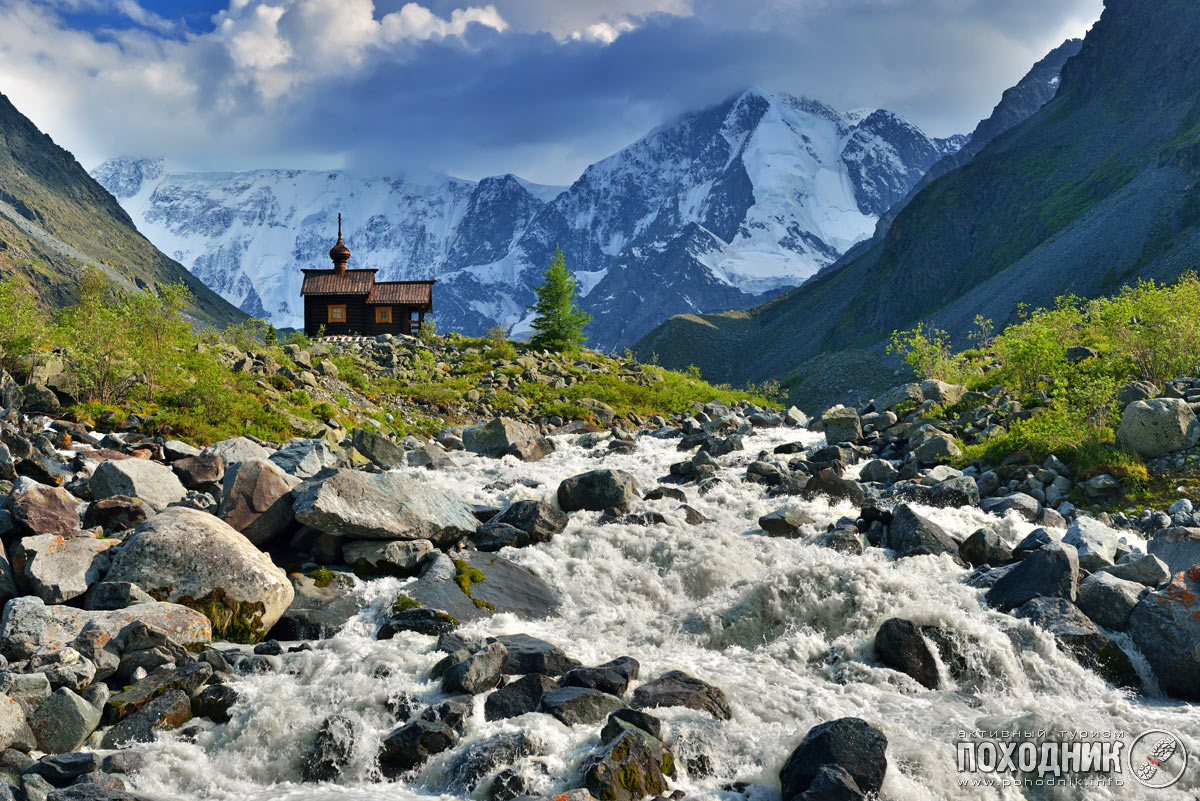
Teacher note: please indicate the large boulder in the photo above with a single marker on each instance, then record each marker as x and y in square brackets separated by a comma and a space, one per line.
[526, 654]
[382, 506]
[1108, 600]
[14, 728]
[41, 509]
[851, 744]
[937, 448]
[941, 392]
[304, 458]
[320, 608]
[905, 393]
[58, 569]
[200, 473]
[1080, 637]
[841, 424]
[631, 766]
[1165, 626]
[193, 558]
[1158, 426]
[1144, 568]
[1024, 505]
[520, 524]
[63, 722]
[900, 645]
[478, 672]
[912, 534]
[152, 482]
[573, 705]
[518, 697]
[377, 449]
[236, 449]
[677, 688]
[371, 558]
[1051, 571]
[501, 436]
[29, 625]
[476, 585]
[1177, 547]
[596, 490]
[255, 499]
[1097, 543]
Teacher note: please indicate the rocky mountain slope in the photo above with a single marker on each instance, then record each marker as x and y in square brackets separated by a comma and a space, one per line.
[1096, 189]
[718, 209]
[56, 222]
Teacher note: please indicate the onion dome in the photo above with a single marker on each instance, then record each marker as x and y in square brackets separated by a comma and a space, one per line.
[339, 252]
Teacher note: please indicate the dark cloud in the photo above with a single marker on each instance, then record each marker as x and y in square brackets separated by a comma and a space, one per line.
[520, 94]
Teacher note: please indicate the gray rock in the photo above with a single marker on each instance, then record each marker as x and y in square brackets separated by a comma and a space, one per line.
[149, 481]
[879, 472]
[518, 697]
[108, 595]
[984, 547]
[58, 569]
[526, 654]
[478, 673]
[201, 473]
[895, 396]
[29, 624]
[62, 769]
[1165, 627]
[676, 688]
[39, 399]
[304, 458]
[786, 522]
[1078, 635]
[214, 702]
[900, 645]
[27, 689]
[937, 449]
[1024, 505]
[597, 490]
[14, 730]
[63, 722]
[318, 610]
[40, 509]
[1102, 487]
[1177, 547]
[332, 749]
[501, 437]
[193, 558]
[1158, 426]
[611, 677]
[118, 513]
[472, 763]
[371, 558]
[851, 744]
[382, 506]
[235, 450]
[166, 712]
[521, 524]
[412, 744]
[1145, 569]
[913, 534]
[377, 449]
[573, 705]
[256, 499]
[1109, 600]
[841, 424]
[1096, 542]
[955, 492]
[941, 392]
[631, 766]
[1051, 571]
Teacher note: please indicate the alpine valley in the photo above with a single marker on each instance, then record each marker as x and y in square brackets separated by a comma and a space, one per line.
[719, 209]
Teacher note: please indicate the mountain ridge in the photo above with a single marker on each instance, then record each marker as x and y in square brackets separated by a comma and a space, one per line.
[57, 222]
[1093, 190]
[740, 200]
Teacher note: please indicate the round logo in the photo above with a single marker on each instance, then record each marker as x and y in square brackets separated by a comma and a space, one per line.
[1157, 758]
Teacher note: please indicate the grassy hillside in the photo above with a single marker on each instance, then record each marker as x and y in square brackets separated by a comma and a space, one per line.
[1095, 190]
[57, 223]
[113, 353]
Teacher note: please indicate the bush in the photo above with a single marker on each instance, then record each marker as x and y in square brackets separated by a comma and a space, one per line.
[23, 329]
[926, 351]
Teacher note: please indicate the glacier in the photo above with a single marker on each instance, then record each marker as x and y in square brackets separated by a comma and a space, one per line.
[717, 209]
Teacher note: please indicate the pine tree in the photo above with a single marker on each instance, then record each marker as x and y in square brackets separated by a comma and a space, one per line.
[558, 324]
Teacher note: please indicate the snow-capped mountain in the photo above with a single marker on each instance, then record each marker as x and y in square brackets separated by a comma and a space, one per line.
[715, 210]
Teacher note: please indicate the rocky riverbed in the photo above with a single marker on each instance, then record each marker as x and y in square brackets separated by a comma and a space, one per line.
[718, 605]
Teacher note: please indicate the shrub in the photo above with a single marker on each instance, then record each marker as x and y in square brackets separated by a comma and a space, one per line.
[925, 350]
[23, 329]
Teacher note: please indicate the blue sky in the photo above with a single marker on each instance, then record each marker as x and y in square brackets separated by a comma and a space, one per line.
[540, 88]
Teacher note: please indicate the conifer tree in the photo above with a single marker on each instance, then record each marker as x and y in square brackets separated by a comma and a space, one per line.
[558, 324]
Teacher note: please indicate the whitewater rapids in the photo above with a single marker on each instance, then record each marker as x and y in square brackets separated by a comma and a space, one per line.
[783, 626]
